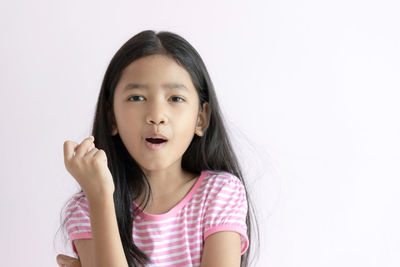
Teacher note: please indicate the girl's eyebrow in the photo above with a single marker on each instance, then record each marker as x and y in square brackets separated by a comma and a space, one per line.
[180, 86]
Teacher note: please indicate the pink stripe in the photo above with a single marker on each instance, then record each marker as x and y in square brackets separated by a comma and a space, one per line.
[79, 228]
[158, 239]
[225, 206]
[76, 208]
[190, 229]
[175, 250]
[173, 258]
[165, 225]
[79, 220]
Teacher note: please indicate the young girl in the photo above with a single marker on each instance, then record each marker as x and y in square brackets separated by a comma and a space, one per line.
[161, 185]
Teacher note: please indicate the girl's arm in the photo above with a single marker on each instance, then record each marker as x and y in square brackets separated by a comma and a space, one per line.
[221, 249]
[88, 165]
[107, 246]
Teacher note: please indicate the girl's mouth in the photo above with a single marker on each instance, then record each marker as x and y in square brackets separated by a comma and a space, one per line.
[155, 140]
[155, 144]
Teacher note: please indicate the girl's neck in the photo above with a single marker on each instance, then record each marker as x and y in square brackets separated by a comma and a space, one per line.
[165, 187]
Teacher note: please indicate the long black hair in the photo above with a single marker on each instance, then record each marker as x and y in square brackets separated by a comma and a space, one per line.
[212, 151]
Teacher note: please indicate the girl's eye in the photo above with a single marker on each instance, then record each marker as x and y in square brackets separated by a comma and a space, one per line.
[133, 97]
[179, 98]
[174, 97]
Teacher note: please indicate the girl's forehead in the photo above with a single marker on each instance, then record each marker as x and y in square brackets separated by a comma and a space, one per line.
[149, 64]
[166, 86]
[155, 71]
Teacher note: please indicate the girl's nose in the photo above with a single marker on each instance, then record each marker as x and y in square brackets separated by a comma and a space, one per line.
[156, 117]
[156, 112]
[151, 121]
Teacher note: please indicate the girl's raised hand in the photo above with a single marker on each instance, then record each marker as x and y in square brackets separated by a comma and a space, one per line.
[67, 261]
[88, 165]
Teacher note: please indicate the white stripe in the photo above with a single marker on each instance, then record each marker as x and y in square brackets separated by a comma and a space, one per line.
[224, 221]
[231, 202]
[227, 208]
[163, 257]
[194, 243]
[167, 233]
[157, 222]
[78, 224]
[78, 204]
[166, 229]
[80, 231]
[165, 226]
[161, 227]
[174, 262]
[163, 242]
[79, 212]
[196, 206]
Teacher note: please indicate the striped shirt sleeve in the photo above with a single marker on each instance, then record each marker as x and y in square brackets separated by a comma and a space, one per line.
[78, 219]
[227, 209]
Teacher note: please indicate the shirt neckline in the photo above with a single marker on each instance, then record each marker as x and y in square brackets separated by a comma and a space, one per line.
[176, 208]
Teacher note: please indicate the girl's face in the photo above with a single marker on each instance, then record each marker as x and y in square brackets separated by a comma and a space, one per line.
[156, 96]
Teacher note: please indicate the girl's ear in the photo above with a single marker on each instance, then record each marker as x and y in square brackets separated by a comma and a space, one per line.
[114, 130]
[202, 122]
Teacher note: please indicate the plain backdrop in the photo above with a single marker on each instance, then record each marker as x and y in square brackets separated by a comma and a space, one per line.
[310, 94]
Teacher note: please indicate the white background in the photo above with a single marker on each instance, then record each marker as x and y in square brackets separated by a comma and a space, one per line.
[310, 91]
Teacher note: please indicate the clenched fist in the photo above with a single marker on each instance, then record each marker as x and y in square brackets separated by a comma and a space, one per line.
[88, 165]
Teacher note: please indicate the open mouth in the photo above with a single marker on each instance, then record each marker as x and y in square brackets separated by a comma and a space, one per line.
[155, 140]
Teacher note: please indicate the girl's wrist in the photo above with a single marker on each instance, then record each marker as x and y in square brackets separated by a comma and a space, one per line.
[100, 196]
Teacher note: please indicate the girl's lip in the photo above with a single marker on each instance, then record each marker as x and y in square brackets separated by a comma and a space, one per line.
[155, 136]
[155, 147]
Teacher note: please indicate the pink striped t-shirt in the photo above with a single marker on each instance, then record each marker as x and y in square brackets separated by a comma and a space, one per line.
[216, 202]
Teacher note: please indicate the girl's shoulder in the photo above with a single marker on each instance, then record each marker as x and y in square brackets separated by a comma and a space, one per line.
[220, 178]
[214, 174]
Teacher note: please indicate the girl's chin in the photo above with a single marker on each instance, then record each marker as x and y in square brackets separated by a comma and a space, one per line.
[153, 164]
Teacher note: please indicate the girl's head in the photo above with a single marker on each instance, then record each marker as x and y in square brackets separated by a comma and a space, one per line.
[157, 83]
[155, 95]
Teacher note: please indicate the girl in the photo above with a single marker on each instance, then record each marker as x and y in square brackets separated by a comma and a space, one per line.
[161, 185]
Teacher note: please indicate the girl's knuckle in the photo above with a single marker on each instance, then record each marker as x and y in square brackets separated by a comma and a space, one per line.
[97, 161]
